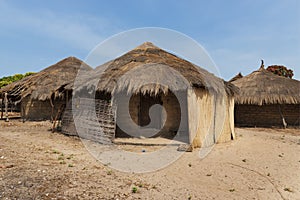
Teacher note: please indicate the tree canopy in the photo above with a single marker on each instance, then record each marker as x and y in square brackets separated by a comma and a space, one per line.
[10, 79]
[281, 70]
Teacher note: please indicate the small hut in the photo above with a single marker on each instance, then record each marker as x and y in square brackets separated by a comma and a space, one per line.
[42, 96]
[190, 101]
[236, 77]
[267, 100]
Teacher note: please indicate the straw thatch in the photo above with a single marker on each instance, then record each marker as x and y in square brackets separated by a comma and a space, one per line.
[236, 77]
[147, 53]
[263, 87]
[48, 83]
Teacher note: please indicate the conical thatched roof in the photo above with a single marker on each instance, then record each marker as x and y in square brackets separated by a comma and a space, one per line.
[236, 77]
[263, 87]
[48, 82]
[123, 74]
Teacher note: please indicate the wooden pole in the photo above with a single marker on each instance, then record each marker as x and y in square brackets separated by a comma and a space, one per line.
[23, 110]
[6, 106]
[67, 97]
[58, 115]
[11, 106]
[2, 107]
[52, 108]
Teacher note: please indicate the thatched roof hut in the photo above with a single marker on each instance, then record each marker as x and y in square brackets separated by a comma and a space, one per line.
[148, 53]
[45, 90]
[266, 99]
[192, 97]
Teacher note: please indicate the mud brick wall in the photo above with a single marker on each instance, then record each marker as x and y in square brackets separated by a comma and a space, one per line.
[36, 110]
[267, 115]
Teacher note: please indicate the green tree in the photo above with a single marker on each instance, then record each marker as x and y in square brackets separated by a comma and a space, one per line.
[281, 70]
[10, 79]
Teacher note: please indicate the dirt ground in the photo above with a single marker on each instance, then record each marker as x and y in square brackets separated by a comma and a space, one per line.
[38, 164]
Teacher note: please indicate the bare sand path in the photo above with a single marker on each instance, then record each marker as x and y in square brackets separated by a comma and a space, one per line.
[38, 164]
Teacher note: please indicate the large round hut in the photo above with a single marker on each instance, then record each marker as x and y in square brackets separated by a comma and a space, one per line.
[42, 96]
[267, 100]
[153, 93]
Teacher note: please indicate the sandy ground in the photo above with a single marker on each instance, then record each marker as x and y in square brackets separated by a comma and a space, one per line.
[38, 164]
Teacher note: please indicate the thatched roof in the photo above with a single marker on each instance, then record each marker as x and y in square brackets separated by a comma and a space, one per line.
[236, 77]
[263, 87]
[48, 82]
[143, 68]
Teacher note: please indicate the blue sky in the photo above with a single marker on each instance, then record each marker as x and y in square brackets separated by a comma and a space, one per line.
[236, 34]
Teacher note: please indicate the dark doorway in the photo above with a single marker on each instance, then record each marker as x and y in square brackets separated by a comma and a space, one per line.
[160, 114]
[146, 102]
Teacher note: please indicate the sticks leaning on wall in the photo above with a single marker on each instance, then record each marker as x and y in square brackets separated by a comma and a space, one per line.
[282, 117]
[58, 116]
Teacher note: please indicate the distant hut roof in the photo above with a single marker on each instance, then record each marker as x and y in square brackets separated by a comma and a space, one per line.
[112, 72]
[236, 77]
[47, 82]
[263, 87]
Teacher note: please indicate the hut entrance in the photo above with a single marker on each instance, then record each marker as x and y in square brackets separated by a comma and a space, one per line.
[144, 118]
[150, 116]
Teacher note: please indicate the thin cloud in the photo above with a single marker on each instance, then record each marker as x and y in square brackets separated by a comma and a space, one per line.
[65, 28]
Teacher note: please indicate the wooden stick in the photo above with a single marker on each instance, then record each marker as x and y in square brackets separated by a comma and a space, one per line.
[52, 108]
[57, 116]
[262, 175]
[6, 106]
[282, 117]
[2, 107]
